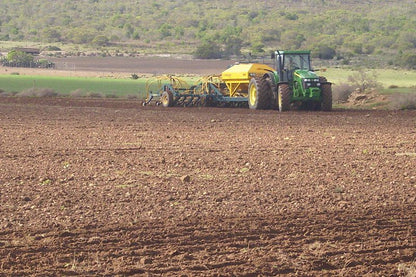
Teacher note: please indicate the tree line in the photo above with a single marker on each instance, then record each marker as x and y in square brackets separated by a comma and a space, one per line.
[331, 29]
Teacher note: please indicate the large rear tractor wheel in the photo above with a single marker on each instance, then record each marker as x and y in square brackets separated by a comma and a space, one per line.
[271, 88]
[326, 104]
[258, 93]
[167, 99]
[283, 97]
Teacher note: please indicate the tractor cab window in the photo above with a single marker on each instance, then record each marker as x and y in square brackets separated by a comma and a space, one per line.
[296, 61]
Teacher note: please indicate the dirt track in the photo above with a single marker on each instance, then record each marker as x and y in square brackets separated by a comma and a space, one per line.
[107, 187]
[153, 65]
[122, 67]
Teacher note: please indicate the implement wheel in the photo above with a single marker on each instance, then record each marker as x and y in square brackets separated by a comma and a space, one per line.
[258, 93]
[167, 99]
[284, 95]
[326, 104]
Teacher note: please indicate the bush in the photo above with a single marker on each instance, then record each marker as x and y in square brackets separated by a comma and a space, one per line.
[111, 95]
[17, 57]
[364, 81]
[34, 92]
[43, 63]
[92, 94]
[325, 52]
[100, 40]
[342, 92]
[233, 46]
[403, 101]
[77, 93]
[257, 47]
[208, 50]
[409, 60]
[52, 48]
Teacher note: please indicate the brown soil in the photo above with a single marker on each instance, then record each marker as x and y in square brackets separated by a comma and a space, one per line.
[107, 187]
[121, 67]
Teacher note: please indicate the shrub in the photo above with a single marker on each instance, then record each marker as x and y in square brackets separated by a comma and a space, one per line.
[342, 92]
[403, 101]
[111, 95]
[53, 48]
[364, 81]
[34, 92]
[208, 50]
[257, 47]
[43, 63]
[18, 58]
[325, 52]
[233, 46]
[100, 40]
[93, 94]
[409, 60]
[77, 93]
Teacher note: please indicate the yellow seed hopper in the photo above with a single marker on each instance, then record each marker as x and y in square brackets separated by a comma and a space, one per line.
[238, 77]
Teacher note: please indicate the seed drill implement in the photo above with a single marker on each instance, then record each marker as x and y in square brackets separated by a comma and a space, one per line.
[291, 82]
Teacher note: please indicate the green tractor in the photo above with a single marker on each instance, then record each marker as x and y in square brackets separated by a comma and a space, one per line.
[291, 83]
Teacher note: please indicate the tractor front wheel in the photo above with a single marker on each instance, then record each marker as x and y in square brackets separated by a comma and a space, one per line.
[258, 94]
[284, 95]
[326, 104]
[167, 99]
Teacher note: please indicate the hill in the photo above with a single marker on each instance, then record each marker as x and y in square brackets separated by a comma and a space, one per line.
[339, 30]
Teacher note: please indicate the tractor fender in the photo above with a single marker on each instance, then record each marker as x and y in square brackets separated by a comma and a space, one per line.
[323, 80]
[270, 75]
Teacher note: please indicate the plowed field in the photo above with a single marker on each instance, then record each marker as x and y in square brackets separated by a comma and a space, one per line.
[107, 187]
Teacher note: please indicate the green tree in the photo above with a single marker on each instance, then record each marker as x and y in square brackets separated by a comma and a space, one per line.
[19, 58]
[233, 46]
[257, 47]
[324, 52]
[208, 50]
[100, 40]
[81, 36]
[165, 30]
[408, 60]
[51, 35]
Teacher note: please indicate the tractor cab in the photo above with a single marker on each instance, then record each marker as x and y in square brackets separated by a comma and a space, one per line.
[287, 62]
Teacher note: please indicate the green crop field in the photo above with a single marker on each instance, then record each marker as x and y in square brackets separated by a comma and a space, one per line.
[403, 81]
[387, 77]
[66, 85]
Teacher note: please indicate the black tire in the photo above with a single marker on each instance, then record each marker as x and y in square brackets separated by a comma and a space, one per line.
[284, 95]
[271, 87]
[258, 93]
[167, 99]
[326, 99]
